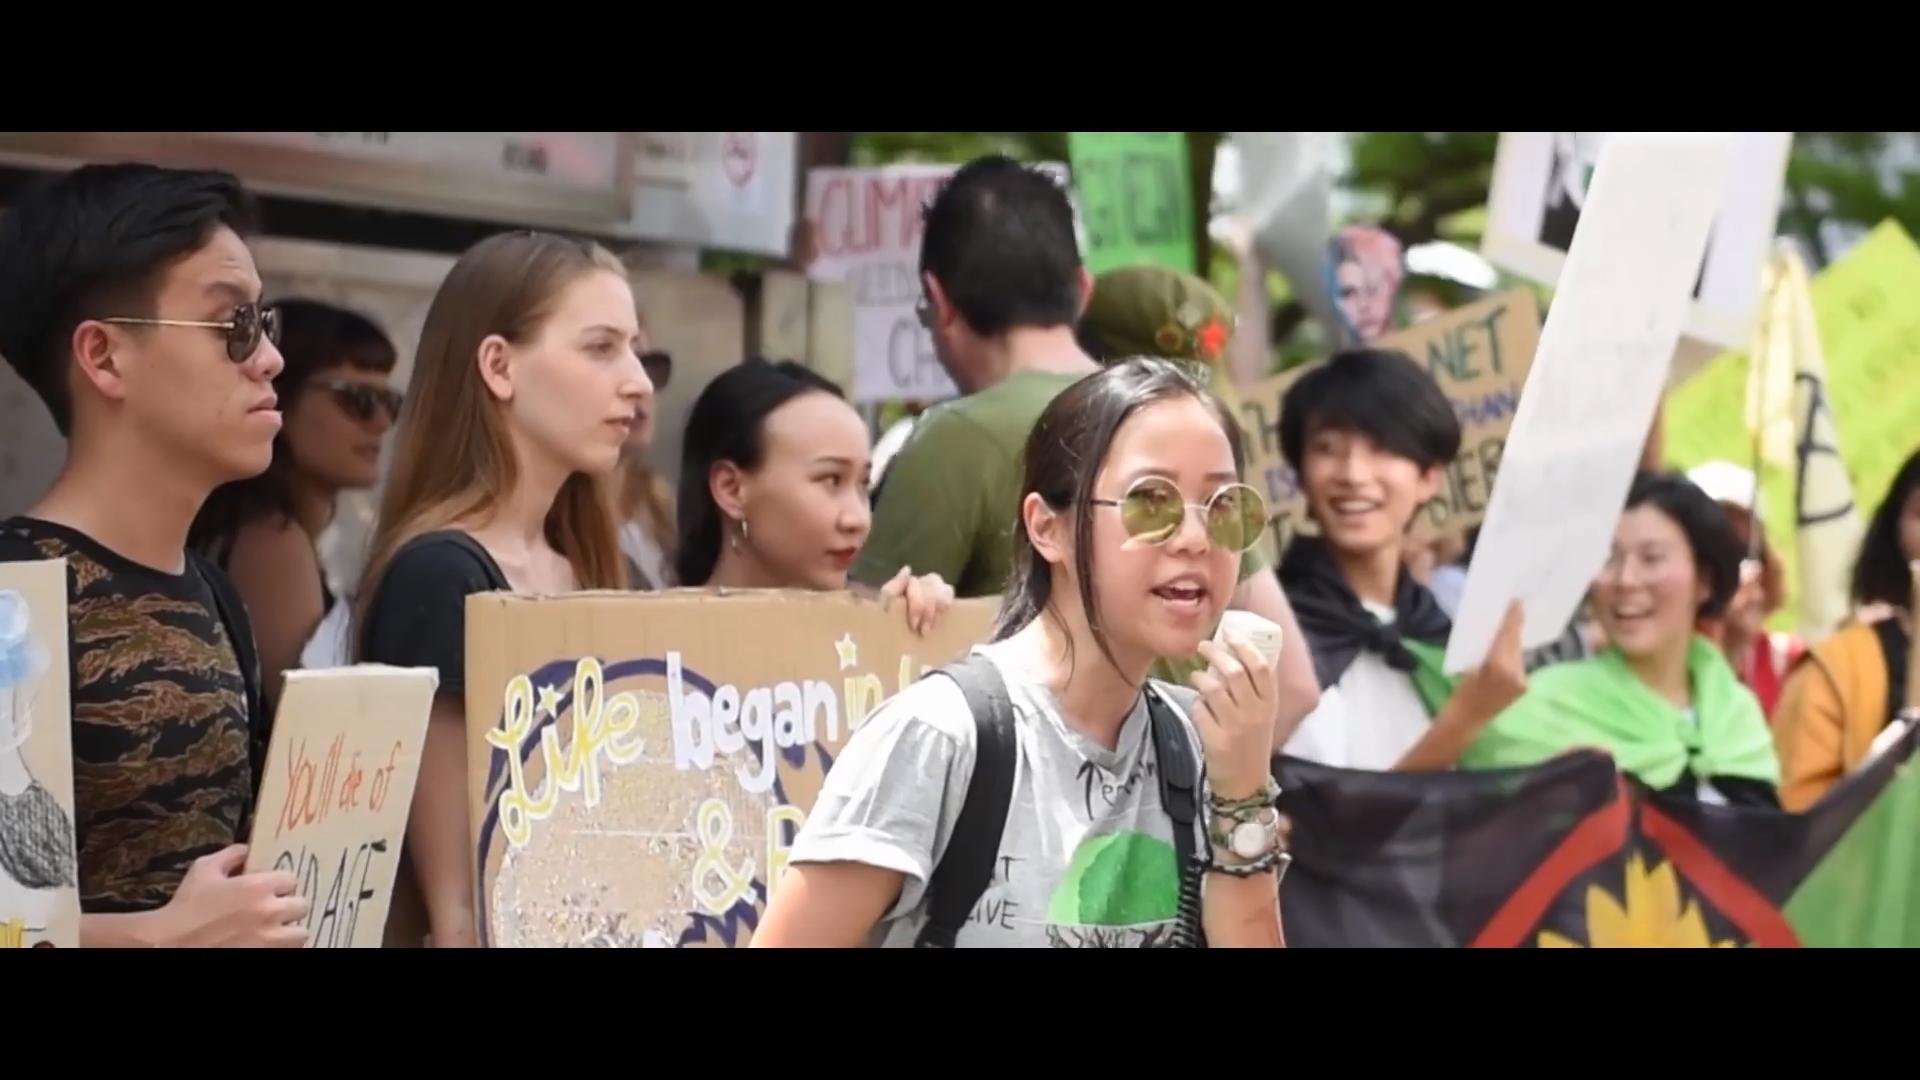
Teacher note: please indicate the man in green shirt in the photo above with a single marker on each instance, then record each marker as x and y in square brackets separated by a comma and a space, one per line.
[1004, 288]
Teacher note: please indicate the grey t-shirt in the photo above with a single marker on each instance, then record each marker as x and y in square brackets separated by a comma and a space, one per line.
[1087, 858]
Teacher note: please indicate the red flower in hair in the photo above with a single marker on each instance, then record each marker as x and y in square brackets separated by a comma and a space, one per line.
[1211, 340]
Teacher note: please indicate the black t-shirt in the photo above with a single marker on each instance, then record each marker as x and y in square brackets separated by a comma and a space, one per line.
[162, 759]
[418, 615]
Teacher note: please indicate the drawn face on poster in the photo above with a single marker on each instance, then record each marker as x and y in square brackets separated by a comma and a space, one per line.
[36, 832]
[1364, 268]
[1575, 154]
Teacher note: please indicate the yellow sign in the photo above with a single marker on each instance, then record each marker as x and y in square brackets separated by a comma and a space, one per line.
[1868, 308]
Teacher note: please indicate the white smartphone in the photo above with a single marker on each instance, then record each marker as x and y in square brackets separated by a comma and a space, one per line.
[1260, 632]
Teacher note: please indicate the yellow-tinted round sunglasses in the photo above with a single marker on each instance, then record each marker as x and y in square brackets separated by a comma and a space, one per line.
[1153, 510]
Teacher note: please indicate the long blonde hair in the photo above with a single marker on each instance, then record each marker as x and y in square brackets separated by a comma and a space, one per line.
[452, 459]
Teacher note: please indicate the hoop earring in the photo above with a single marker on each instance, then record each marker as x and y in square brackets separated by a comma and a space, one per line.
[734, 540]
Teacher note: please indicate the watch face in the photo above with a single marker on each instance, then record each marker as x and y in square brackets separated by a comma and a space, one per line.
[1252, 839]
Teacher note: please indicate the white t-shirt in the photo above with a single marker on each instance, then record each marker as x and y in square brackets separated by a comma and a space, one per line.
[327, 648]
[1087, 857]
[1367, 720]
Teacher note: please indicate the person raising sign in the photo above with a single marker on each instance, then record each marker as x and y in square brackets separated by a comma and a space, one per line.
[776, 490]
[1369, 434]
[1661, 698]
[1132, 523]
[525, 388]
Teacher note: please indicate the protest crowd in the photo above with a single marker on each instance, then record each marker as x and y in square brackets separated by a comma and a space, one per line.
[538, 618]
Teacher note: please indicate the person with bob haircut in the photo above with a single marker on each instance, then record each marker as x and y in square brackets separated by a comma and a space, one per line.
[1661, 698]
[1370, 434]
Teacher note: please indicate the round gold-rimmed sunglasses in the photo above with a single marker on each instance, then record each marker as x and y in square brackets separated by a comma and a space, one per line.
[1153, 510]
[249, 324]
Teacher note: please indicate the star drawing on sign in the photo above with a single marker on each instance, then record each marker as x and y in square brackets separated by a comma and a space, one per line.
[849, 652]
[550, 701]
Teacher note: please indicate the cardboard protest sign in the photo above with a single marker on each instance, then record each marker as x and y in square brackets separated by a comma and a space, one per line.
[39, 863]
[1479, 354]
[868, 223]
[717, 189]
[1541, 191]
[640, 763]
[1136, 197]
[1596, 380]
[337, 790]
[1866, 305]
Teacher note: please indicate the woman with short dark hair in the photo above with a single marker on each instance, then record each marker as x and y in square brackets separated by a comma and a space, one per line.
[1661, 698]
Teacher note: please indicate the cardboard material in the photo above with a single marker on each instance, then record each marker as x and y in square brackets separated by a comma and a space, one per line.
[1537, 199]
[39, 863]
[1479, 354]
[640, 763]
[337, 790]
[1596, 381]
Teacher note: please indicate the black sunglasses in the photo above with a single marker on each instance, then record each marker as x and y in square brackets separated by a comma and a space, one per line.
[658, 365]
[249, 324]
[359, 400]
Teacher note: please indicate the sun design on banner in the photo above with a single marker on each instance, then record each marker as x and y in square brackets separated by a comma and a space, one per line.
[1655, 915]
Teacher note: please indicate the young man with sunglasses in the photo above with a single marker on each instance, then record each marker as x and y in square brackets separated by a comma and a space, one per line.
[131, 305]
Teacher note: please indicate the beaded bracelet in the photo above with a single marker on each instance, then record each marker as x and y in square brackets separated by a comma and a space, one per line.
[1268, 794]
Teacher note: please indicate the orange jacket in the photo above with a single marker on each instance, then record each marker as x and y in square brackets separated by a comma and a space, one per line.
[1831, 709]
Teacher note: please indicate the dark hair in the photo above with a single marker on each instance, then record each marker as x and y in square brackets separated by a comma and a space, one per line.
[726, 424]
[999, 238]
[314, 337]
[92, 244]
[1380, 393]
[1063, 456]
[1716, 548]
[1881, 574]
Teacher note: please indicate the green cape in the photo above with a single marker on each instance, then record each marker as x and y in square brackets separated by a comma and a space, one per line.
[1599, 702]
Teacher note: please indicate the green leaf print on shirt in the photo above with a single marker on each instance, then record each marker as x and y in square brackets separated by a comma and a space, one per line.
[1118, 879]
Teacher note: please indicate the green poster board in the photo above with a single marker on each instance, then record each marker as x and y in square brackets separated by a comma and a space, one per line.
[1136, 197]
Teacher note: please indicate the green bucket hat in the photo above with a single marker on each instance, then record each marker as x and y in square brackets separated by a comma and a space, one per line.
[1153, 311]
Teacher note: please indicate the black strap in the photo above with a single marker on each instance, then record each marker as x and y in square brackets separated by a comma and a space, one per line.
[1180, 798]
[966, 868]
[1179, 774]
[1894, 643]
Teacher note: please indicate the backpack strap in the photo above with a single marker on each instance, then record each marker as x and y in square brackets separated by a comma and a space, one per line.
[233, 616]
[966, 868]
[1894, 645]
[1180, 797]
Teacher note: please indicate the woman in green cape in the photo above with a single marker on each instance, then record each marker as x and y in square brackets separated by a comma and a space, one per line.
[1660, 698]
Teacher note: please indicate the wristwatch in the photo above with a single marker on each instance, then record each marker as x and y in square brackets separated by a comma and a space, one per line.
[1252, 836]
